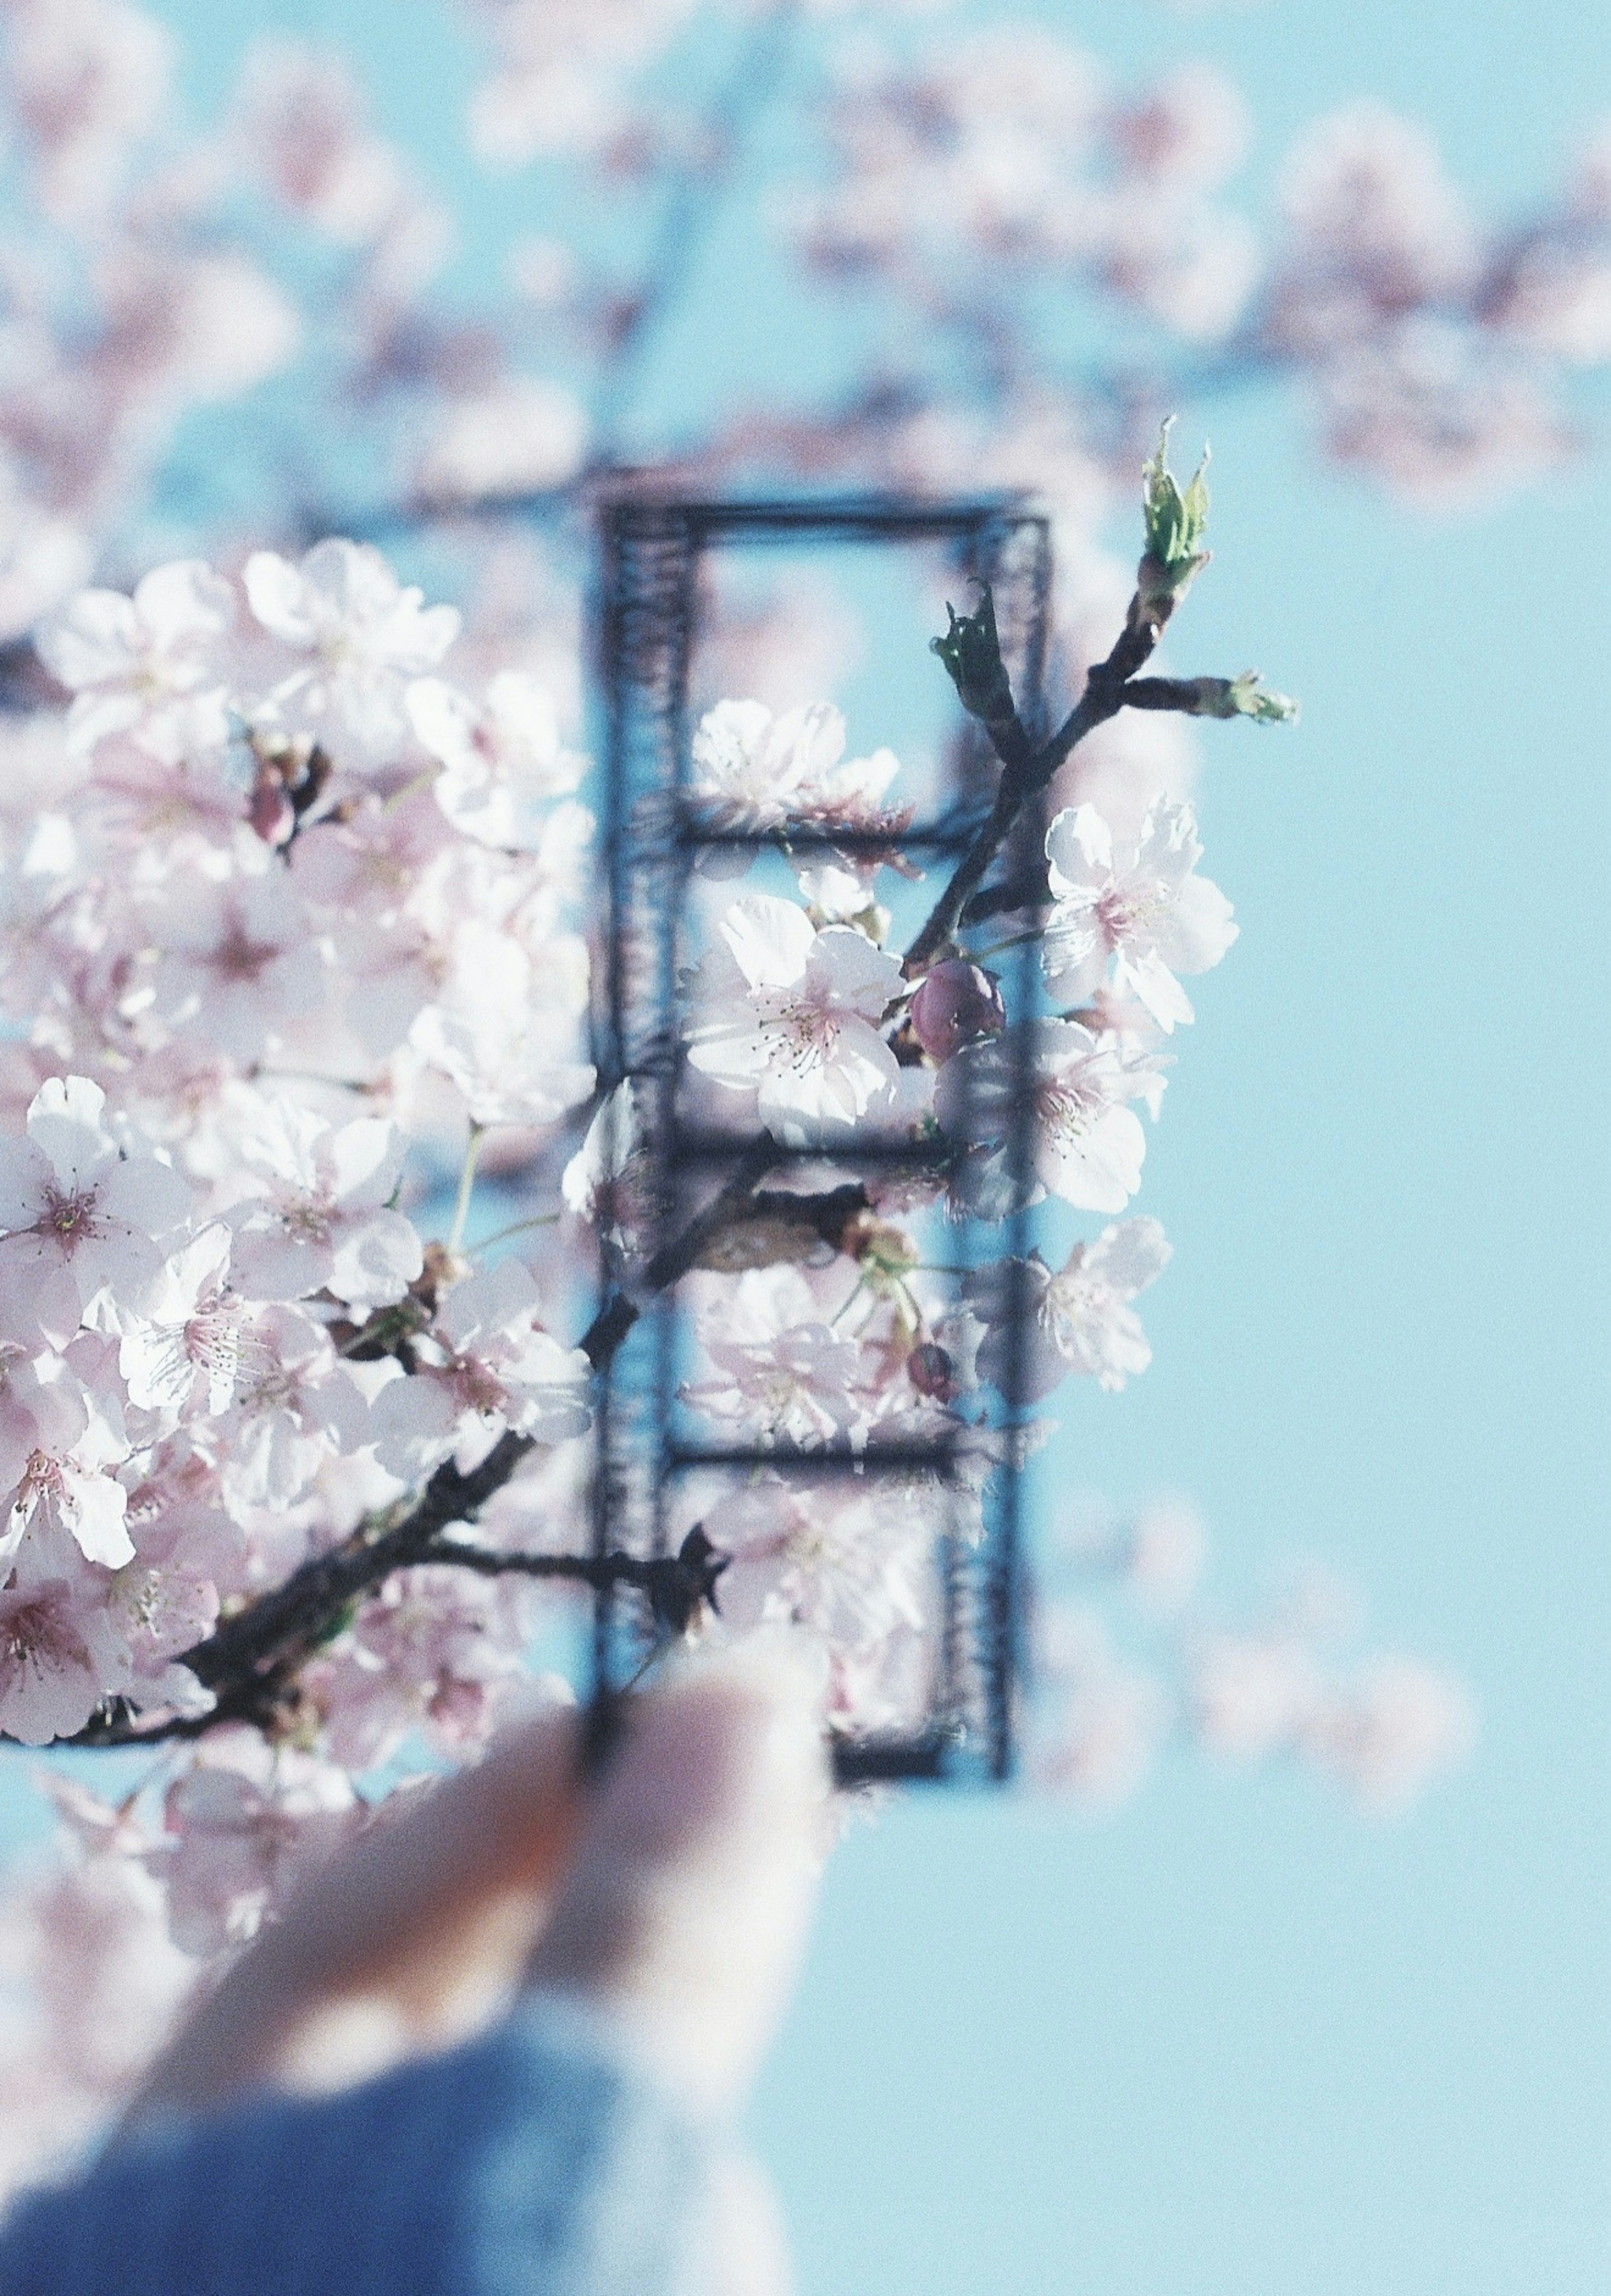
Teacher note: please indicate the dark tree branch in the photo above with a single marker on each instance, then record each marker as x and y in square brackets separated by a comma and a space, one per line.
[1025, 771]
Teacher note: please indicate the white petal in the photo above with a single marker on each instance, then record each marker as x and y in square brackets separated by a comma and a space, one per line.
[771, 941]
[1130, 1255]
[1200, 930]
[274, 591]
[1079, 848]
[1100, 1169]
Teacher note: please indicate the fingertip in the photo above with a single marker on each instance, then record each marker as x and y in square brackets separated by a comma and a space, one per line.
[684, 1908]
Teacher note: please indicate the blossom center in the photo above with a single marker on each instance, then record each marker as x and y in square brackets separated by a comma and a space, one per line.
[70, 1218]
[37, 1636]
[308, 1218]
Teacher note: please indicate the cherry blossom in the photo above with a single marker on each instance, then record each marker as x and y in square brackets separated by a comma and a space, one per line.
[1391, 1730]
[324, 1221]
[1088, 1143]
[520, 434]
[145, 665]
[430, 1652]
[505, 1023]
[1111, 1716]
[82, 1212]
[782, 1371]
[239, 962]
[246, 1821]
[484, 1367]
[298, 881]
[294, 1405]
[1133, 915]
[849, 1566]
[184, 1350]
[954, 1003]
[364, 637]
[59, 1657]
[753, 771]
[1079, 1319]
[497, 760]
[606, 1184]
[792, 1014]
[66, 1490]
[299, 116]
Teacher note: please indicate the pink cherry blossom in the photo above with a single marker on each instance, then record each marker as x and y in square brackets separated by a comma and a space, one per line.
[1254, 1694]
[149, 665]
[1079, 1319]
[59, 1655]
[1088, 1143]
[238, 962]
[852, 1566]
[82, 1212]
[505, 1022]
[1132, 915]
[295, 1405]
[323, 1221]
[430, 1652]
[1108, 1718]
[300, 116]
[781, 1373]
[1390, 1731]
[67, 1490]
[954, 1003]
[608, 1184]
[363, 638]
[86, 79]
[183, 1351]
[791, 1013]
[754, 771]
[520, 434]
[486, 1367]
[246, 1821]
[498, 761]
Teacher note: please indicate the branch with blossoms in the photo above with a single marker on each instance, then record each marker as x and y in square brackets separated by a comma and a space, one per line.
[797, 1009]
[292, 1491]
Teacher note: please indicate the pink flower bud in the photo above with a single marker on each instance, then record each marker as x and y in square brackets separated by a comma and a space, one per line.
[954, 1004]
[271, 812]
[931, 1372]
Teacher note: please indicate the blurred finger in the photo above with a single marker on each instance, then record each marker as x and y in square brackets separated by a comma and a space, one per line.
[685, 1906]
[403, 1940]
[748, 2251]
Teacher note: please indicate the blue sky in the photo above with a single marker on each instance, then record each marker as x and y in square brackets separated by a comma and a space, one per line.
[1236, 2041]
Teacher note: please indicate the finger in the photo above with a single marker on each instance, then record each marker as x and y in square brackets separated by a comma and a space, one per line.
[748, 2253]
[403, 1939]
[685, 1906]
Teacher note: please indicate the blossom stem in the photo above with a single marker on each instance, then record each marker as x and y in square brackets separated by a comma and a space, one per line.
[847, 1303]
[466, 1181]
[1000, 948]
[519, 1227]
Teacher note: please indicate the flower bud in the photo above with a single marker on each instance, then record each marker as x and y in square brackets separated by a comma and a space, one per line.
[931, 1372]
[953, 1003]
[971, 651]
[1175, 518]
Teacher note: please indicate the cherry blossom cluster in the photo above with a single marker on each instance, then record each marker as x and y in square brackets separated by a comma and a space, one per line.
[294, 1486]
[983, 184]
[1290, 1683]
[279, 898]
[985, 196]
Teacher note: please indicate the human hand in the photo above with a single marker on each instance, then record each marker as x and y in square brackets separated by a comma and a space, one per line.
[671, 1896]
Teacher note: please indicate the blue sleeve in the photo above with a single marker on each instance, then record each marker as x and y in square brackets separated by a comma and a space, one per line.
[533, 2161]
